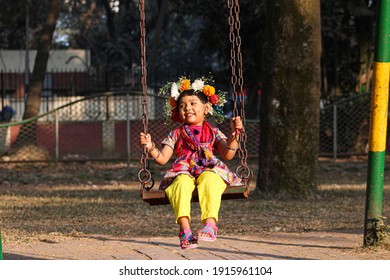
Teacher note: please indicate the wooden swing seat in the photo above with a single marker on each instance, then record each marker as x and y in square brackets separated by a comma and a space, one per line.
[158, 197]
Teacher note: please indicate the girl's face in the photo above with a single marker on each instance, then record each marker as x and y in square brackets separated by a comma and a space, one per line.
[192, 111]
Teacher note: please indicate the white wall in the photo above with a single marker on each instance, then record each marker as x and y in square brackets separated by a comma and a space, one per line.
[68, 60]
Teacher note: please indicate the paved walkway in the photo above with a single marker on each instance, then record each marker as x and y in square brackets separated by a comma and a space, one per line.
[270, 246]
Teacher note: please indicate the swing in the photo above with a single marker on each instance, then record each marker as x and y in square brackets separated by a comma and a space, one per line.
[158, 197]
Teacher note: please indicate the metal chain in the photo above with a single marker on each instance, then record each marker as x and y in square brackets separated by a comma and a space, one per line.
[237, 80]
[144, 175]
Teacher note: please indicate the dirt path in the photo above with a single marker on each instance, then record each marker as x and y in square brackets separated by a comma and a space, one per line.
[270, 246]
[76, 200]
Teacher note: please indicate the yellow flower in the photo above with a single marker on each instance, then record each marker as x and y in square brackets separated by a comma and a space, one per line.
[208, 90]
[185, 84]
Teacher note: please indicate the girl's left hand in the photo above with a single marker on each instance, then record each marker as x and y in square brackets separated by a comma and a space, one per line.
[236, 125]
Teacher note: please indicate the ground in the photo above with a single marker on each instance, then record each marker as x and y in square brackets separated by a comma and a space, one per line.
[93, 211]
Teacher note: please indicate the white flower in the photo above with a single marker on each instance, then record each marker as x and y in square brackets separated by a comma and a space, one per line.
[175, 91]
[197, 85]
[211, 111]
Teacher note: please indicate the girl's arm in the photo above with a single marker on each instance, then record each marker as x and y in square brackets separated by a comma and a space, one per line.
[227, 149]
[162, 156]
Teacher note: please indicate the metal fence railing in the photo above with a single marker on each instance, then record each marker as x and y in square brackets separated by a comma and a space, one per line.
[107, 126]
[102, 127]
[344, 127]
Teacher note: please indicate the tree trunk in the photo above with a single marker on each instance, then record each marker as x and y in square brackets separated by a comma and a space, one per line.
[28, 131]
[163, 9]
[34, 97]
[290, 102]
[110, 20]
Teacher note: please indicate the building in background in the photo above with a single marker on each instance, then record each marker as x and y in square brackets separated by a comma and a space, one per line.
[66, 73]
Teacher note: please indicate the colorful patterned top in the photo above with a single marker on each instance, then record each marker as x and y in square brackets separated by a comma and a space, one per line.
[194, 148]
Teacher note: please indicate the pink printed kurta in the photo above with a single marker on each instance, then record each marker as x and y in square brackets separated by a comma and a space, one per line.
[195, 154]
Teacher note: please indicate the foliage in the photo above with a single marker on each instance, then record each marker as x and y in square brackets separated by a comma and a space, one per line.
[178, 48]
[113, 48]
[342, 24]
[195, 38]
[214, 36]
[13, 24]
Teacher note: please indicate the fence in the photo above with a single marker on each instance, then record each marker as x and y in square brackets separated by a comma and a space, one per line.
[65, 82]
[106, 127]
[103, 127]
[344, 127]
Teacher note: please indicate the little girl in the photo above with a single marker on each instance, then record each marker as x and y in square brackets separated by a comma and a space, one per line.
[196, 166]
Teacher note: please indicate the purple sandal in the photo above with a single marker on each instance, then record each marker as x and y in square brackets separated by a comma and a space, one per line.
[187, 240]
[209, 229]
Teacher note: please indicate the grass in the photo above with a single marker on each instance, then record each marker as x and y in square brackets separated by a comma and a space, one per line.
[47, 202]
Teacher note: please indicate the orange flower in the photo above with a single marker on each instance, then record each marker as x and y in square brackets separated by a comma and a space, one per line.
[172, 102]
[208, 90]
[185, 84]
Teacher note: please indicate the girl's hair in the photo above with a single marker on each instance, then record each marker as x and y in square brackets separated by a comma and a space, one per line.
[190, 92]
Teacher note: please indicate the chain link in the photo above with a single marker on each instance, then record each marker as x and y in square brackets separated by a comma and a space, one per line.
[144, 175]
[237, 80]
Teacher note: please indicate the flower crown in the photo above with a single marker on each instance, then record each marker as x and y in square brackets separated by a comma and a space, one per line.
[199, 85]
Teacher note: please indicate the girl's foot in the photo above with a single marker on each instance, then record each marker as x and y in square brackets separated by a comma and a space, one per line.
[208, 232]
[187, 240]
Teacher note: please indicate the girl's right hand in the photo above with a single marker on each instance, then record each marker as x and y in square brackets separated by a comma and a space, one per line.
[145, 140]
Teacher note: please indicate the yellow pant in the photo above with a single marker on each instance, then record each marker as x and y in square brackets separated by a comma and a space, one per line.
[210, 189]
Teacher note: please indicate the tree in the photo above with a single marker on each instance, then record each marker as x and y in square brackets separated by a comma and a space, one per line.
[213, 40]
[290, 102]
[33, 101]
[12, 24]
[111, 33]
[347, 42]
